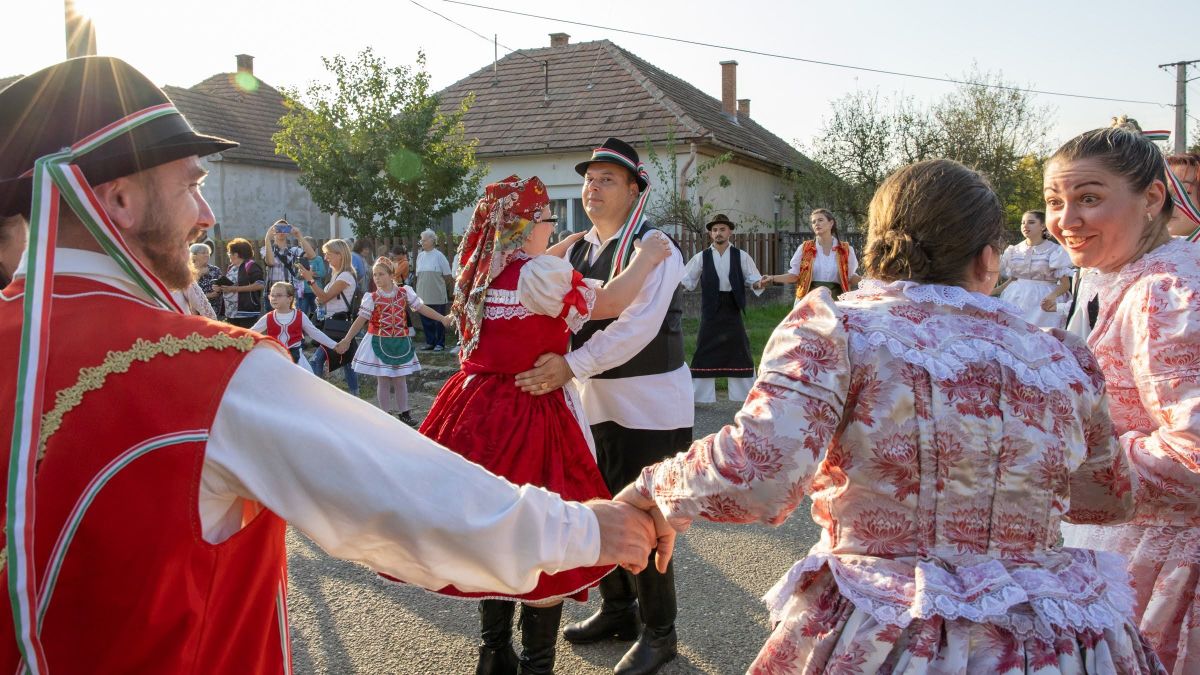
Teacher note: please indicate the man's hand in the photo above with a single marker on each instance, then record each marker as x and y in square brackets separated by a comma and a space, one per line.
[626, 534]
[664, 533]
[549, 372]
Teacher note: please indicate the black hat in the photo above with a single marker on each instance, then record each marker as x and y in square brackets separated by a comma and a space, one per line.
[617, 151]
[720, 219]
[58, 106]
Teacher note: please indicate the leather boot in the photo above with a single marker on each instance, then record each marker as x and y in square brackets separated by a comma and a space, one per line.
[618, 616]
[496, 654]
[658, 643]
[539, 633]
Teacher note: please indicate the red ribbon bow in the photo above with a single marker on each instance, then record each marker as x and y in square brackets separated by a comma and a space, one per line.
[574, 297]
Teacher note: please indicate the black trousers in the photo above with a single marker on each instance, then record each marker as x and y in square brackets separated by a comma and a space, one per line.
[622, 453]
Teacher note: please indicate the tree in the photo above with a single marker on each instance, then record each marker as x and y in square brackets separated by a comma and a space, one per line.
[682, 205]
[986, 124]
[375, 147]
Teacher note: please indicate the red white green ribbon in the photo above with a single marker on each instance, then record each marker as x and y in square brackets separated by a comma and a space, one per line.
[632, 224]
[1157, 134]
[1179, 194]
[54, 176]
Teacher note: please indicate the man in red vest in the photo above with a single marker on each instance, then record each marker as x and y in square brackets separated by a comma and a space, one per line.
[145, 507]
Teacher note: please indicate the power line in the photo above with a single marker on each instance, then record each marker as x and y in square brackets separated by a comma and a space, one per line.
[471, 30]
[804, 60]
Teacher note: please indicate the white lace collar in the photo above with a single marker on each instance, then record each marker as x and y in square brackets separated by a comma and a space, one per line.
[938, 294]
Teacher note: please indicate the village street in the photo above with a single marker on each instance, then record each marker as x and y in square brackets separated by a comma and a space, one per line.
[345, 619]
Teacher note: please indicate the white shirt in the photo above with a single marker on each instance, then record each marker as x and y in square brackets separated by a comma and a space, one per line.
[364, 486]
[336, 303]
[825, 267]
[695, 267]
[662, 401]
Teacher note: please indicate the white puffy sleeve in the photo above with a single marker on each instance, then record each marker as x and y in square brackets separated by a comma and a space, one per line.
[550, 286]
[414, 301]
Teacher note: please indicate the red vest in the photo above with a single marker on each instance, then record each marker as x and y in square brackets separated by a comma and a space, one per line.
[138, 590]
[291, 335]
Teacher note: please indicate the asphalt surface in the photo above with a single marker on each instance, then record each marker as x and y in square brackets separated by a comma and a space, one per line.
[345, 619]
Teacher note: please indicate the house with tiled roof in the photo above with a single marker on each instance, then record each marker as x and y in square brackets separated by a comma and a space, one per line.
[541, 111]
[250, 186]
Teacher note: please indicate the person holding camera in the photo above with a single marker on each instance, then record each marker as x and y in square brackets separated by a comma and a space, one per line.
[281, 259]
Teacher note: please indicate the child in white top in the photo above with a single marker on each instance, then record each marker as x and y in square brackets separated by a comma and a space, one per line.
[387, 351]
[287, 325]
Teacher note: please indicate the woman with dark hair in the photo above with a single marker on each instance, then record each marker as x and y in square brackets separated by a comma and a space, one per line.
[1107, 201]
[941, 439]
[243, 298]
[1038, 272]
[821, 261]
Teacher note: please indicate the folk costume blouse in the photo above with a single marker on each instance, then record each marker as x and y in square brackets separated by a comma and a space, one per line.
[1035, 271]
[941, 440]
[1147, 341]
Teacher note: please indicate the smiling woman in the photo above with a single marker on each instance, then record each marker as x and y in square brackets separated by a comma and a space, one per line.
[1106, 200]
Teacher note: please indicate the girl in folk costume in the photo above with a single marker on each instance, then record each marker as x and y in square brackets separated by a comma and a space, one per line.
[1108, 202]
[1039, 274]
[387, 352]
[823, 261]
[513, 304]
[288, 326]
[941, 438]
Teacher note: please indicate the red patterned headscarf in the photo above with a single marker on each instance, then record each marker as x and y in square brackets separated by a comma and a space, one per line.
[498, 229]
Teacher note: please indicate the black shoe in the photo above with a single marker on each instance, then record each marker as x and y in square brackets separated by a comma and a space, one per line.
[539, 634]
[496, 654]
[610, 623]
[654, 649]
[406, 417]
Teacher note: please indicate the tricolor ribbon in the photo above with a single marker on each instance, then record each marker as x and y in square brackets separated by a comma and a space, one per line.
[54, 176]
[1179, 194]
[632, 224]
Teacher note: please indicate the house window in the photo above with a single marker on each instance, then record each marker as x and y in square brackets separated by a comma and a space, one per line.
[579, 219]
[561, 208]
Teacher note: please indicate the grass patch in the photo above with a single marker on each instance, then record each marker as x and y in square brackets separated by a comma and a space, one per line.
[760, 321]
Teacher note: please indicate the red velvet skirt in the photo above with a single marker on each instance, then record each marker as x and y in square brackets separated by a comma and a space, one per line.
[527, 439]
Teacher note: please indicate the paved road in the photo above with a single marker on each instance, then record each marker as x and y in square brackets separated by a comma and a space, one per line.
[346, 620]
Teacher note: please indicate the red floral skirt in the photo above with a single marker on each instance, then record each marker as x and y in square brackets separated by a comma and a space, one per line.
[527, 439]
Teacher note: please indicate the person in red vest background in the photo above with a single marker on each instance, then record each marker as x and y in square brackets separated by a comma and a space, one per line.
[144, 518]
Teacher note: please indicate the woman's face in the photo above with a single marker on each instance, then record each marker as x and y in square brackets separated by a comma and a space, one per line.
[333, 258]
[234, 258]
[383, 278]
[821, 224]
[1095, 214]
[427, 243]
[200, 260]
[538, 239]
[1033, 228]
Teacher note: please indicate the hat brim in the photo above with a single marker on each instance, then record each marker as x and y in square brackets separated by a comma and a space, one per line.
[99, 167]
[582, 167]
[730, 224]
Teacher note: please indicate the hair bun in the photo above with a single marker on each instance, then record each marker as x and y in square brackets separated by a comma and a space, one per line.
[1126, 123]
[907, 257]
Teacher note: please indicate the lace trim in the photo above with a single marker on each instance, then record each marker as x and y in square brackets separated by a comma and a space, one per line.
[491, 311]
[938, 294]
[502, 297]
[1072, 589]
[574, 319]
[1139, 543]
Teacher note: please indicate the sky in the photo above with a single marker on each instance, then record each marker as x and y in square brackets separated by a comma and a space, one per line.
[1097, 47]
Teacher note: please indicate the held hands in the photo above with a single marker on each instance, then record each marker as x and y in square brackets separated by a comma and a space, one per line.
[342, 346]
[448, 321]
[626, 535]
[763, 282]
[664, 532]
[549, 372]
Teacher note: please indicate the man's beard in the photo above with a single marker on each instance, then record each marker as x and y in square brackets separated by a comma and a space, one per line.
[164, 254]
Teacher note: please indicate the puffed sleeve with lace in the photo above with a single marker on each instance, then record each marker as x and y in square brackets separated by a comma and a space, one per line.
[550, 286]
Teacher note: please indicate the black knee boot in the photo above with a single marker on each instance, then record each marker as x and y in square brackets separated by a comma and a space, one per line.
[539, 633]
[618, 615]
[496, 654]
[658, 643]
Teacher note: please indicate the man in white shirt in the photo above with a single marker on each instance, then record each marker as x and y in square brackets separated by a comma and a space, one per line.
[360, 484]
[723, 272]
[636, 392]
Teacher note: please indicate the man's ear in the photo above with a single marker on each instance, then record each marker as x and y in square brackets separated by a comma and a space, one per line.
[121, 199]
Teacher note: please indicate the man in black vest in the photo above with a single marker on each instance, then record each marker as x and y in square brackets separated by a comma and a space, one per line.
[723, 272]
[636, 391]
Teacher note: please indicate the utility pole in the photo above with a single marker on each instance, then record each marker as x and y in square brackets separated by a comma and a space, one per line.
[1181, 80]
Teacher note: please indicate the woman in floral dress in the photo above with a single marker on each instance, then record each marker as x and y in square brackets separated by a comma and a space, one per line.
[1106, 200]
[941, 439]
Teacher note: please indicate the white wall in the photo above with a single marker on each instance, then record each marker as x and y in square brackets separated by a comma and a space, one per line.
[247, 198]
[751, 192]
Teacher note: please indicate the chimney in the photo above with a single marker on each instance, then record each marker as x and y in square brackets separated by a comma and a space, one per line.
[744, 108]
[559, 39]
[245, 63]
[729, 87]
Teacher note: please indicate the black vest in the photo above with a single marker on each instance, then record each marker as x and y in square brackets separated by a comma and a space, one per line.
[710, 285]
[665, 351]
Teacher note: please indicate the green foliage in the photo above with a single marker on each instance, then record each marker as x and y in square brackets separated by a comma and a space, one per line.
[374, 147]
[675, 204]
[997, 131]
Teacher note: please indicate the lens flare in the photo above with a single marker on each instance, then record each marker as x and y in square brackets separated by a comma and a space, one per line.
[404, 165]
[246, 82]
